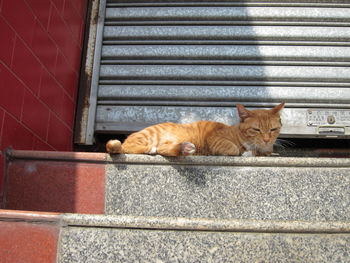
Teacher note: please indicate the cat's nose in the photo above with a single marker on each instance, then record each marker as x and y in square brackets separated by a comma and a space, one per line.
[266, 138]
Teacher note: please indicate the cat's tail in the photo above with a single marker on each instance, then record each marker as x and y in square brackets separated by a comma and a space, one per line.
[114, 146]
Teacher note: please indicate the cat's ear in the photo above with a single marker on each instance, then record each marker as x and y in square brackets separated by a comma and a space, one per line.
[278, 108]
[243, 113]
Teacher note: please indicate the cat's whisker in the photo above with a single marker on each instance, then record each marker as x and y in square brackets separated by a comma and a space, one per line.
[280, 145]
[284, 143]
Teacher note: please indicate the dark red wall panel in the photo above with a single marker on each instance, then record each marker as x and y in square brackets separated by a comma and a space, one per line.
[65, 186]
[26, 66]
[7, 42]
[12, 92]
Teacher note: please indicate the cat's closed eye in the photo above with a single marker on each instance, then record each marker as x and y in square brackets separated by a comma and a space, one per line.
[274, 129]
[256, 129]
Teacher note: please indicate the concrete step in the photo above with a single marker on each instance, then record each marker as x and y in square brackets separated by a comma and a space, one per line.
[272, 188]
[96, 238]
[64, 238]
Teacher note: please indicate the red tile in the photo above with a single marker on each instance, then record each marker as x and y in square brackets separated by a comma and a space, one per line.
[2, 115]
[51, 92]
[56, 186]
[26, 66]
[73, 20]
[40, 145]
[59, 135]
[82, 35]
[44, 47]
[7, 42]
[15, 135]
[35, 115]
[12, 92]
[12, 11]
[41, 9]
[63, 37]
[58, 5]
[65, 74]
[73, 56]
[59, 31]
[68, 110]
[1, 177]
[22, 241]
[81, 7]
[76, 87]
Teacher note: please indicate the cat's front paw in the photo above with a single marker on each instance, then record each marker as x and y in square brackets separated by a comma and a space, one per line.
[188, 148]
[248, 154]
[113, 146]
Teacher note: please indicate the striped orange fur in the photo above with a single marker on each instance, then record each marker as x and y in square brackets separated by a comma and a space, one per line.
[254, 135]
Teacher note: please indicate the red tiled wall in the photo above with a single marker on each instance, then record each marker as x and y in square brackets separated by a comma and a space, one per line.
[40, 53]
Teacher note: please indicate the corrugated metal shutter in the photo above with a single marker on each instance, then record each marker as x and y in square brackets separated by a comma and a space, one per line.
[182, 61]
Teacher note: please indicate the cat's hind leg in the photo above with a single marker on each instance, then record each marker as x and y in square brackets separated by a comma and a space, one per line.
[188, 148]
[176, 149]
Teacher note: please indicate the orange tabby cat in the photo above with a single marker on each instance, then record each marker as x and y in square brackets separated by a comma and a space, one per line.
[254, 135]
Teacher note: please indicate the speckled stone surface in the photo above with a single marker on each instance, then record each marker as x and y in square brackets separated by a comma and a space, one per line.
[229, 161]
[113, 238]
[229, 187]
[205, 224]
[79, 244]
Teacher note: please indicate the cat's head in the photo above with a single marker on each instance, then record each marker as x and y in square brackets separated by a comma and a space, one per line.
[260, 128]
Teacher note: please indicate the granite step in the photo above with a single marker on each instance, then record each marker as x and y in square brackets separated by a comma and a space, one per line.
[193, 209]
[271, 188]
[73, 238]
[106, 238]
[261, 188]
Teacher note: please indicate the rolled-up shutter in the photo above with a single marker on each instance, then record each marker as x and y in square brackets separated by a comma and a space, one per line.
[183, 61]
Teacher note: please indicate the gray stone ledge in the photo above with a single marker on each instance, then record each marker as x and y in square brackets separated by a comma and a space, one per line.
[229, 161]
[204, 224]
[226, 191]
[188, 160]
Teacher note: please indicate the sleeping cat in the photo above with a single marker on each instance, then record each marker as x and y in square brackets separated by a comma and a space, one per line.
[253, 136]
